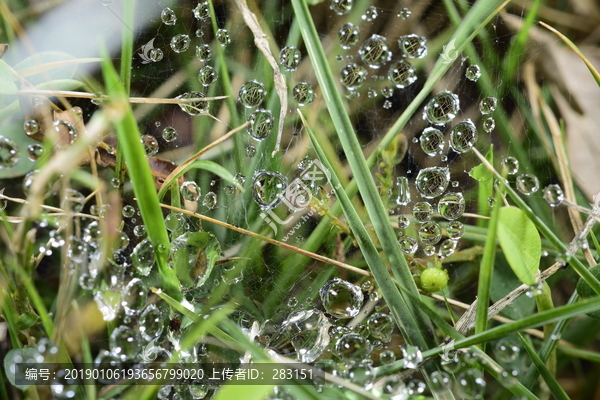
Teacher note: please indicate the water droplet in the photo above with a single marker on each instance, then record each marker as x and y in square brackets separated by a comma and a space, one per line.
[506, 351]
[380, 326]
[268, 188]
[134, 297]
[473, 73]
[142, 257]
[290, 57]
[451, 206]
[223, 37]
[432, 182]
[352, 347]
[415, 387]
[387, 357]
[512, 165]
[403, 191]
[470, 384]
[194, 107]
[169, 134]
[432, 141]
[155, 55]
[292, 302]
[203, 52]
[463, 136]
[240, 178]
[128, 211]
[412, 356]
[439, 381]
[455, 230]
[210, 200]
[106, 301]
[124, 343]
[207, 75]
[403, 222]
[408, 245]
[168, 16]
[387, 92]
[348, 35]
[361, 374]
[413, 46]
[303, 93]
[402, 74]
[180, 43]
[139, 230]
[510, 377]
[190, 191]
[404, 13]
[430, 233]
[150, 144]
[527, 184]
[353, 76]
[341, 7]
[308, 333]
[250, 151]
[35, 151]
[31, 127]
[174, 221]
[488, 105]
[341, 299]
[447, 248]
[370, 14]
[422, 211]
[252, 94]
[202, 11]
[442, 108]
[375, 51]
[151, 323]
[387, 104]
[489, 124]
[554, 195]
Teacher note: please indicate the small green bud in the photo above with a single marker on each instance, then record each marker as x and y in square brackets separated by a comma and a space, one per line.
[434, 279]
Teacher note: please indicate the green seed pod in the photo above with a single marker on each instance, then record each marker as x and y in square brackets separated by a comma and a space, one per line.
[434, 279]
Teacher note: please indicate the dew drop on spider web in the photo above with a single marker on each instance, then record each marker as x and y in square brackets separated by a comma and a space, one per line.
[380, 326]
[415, 387]
[223, 37]
[31, 127]
[304, 163]
[362, 374]
[210, 200]
[190, 191]
[432, 141]
[268, 188]
[430, 233]
[408, 245]
[447, 248]
[387, 92]
[202, 11]
[341, 299]
[174, 221]
[404, 13]
[169, 134]
[352, 347]
[413, 46]
[290, 57]
[429, 250]
[432, 182]
[487, 105]
[371, 93]
[124, 343]
[229, 190]
[134, 297]
[527, 184]
[455, 230]
[308, 333]
[387, 104]
[451, 206]
[463, 136]
[473, 73]
[207, 75]
[370, 14]
[115, 182]
[553, 195]
[250, 151]
[348, 35]
[403, 191]
[240, 178]
[203, 52]
[142, 257]
[150, 144]
[195, 107]
[422, 211]
[442, 108]
[180, 43]
[35, 151]
[260, 124]
[412, 356]
[303, 93]
[387, 357]
[341, 7]
[139, 230]
[403, 222]
[511, 164]
[506, 351]
[489, 124]
[128, 211]
[402, 74]
[353, 76]
[151, 323]
[168, 16]
[375, 51]
[155, 55]
[252, 94]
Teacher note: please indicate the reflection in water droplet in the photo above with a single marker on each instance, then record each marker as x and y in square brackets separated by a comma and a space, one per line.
[223, 37]
[35, 151]
[352, 347]
[180, 43]
[142, 257]
[268, 188]
[402, 74]
[168, 16]
[404, 13]
[422, 211]
[174, 221]
[455, 230]
[408, 245]
[470, 384]
[348, 35]
[353, 76]
[512, 165]
[169, 134]
[207, 75]
[381, 326]
[412, 356]
[31, 127]
[303, 93]
[554, 195]
[261, 124]
[190, 191]
[488, 105]
[506, 351]
[151, 323]
[193, 107]
[9, 153]
[124, 343]
[413, 46]
[250, 151]
[473, 73]
[375, 51]
[403, 222]
[489, 124]
[203, 52]
[403, 191]
[432, 182]
[430, 233]
[252, 94]
[202, 11]
[442, 108]
[341, 299]
[432, 141]
[341, 7]
[451, 206]
[210, 200]
[527, 184]
[463, 136]
[290, 57]
[370, 14]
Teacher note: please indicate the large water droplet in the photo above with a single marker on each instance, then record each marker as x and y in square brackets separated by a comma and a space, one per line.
[252, 94]
[422, 211]
[352, 347]
[455, 230]
[151, 323]
[134, 297]
[308, 332]
[190, 191]
[210, 200]
[268, 188]
[403, 191]
[554, 195]
[180, 43]
[432, 182]
[506, 351]
[408, 245]
[124, 343]
[381, 326]
[413, 46]
[473, 73]
[463, 136]
[348, 35]
[512, 165]
[442, 108]
[527, 184]
[303, 93]
[430, 233]
[361, 374]
[488, 105]
[402, 74]
[341, 299]
[451, 206]
[223, 37]
[9, 153]
[432, 141]
[341, 7]
[142, 257]
[470, 384]
[375, 51]
[194, 107]
[203, 52]
[168, 16]
[207, 75]
[353, 76]
[169, 134]
[202, 11]
[290, 57]
[261, 124]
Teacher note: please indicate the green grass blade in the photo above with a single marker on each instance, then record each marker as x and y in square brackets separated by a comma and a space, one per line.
[141, 177]
[557, 391]
[360, 169]
[127, 43]
[400, 311]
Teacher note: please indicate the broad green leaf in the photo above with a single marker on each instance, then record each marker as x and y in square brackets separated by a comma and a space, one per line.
[7, 86]
[27, 320]
[520, 242]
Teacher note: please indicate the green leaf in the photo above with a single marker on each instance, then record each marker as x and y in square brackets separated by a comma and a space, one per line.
[195, 255]
[36, 71]
[520, 242]
[7, 86]
[27, 320]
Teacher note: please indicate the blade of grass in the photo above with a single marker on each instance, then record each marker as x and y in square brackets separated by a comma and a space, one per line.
[557, 391]
[127, 43]
[140, 175]
[401, 312]
[360, 169]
